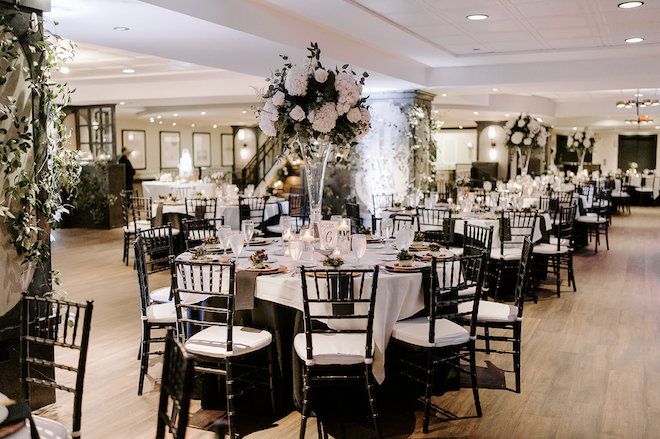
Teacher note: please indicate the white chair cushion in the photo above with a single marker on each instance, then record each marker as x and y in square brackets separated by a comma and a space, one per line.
[275, 228]
[491, 311]
[161, 313]
[416, 332]
[161, 295]
[470, 291]
[549, 249]
[553, 240]
[458, 251]
[589, 219]
[333, 349]
[510, 254]
[138, 225]
[49, 429]
[212, 341]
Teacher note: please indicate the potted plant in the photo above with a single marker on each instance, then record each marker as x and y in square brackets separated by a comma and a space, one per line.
[405, 259]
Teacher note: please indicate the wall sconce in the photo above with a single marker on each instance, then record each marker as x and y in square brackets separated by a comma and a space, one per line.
[240, 135]
[492, 154]
[244, 151]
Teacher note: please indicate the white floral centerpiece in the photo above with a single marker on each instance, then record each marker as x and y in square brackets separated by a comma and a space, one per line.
[581, 142]
[321, 109]
[525, 134]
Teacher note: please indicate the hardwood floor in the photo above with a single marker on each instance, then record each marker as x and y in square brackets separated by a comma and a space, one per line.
[590, 361]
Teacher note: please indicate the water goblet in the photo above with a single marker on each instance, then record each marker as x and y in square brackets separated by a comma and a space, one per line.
[248, 229]
[224, 236]
[359, 242]
[296, 251]
[237, 244]
[386, 228]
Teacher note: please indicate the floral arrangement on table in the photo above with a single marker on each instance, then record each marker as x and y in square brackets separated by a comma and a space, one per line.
[462, 182]
[633, 168]
[434, 250]
[581, 141]
[211, 241]
[419, 237]
[334, 263]
[218, 177]
[165, 177]
[200, 253]
[397, 205]
[306, 102]
[258, 259]
[405, 258]
[524, 133]
[364, 231]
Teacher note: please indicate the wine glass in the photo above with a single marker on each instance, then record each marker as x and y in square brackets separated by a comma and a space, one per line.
[295, 251]
[359, 247]
[237, 243]
[248, 230]
[224, 236]
[386, 228]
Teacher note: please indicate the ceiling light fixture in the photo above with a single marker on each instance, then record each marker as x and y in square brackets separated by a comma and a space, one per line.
[630, 5]
[121, 103]
[64, 69]
[477, 17]
[176, 114]
[638, 103]
[173, 124]
[193, 125]
[128, 71]
[124, 29]
[203, 113]
[506, 115]
[496, 89]
[476, 112]
[215, 126]
[634, 40]
[460, 127]
[244, 111]
[158, 117]
[444, 95]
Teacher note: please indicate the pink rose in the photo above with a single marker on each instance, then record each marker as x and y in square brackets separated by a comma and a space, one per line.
[278, 98]
[320, 75]
[297, 113]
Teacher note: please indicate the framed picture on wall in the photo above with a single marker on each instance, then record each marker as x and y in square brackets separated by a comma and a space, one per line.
[134, 140]
[201, 149]
[170, 149]
[227, 150]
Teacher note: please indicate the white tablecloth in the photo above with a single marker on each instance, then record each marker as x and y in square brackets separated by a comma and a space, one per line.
[399, 295]
[154, 189]
[459, 226]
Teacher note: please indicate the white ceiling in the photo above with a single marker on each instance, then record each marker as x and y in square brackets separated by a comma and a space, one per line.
[563, 60]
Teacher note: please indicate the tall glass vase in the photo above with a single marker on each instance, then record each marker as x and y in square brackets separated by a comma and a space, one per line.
[581, 155]
[315, 154]
[523, 160]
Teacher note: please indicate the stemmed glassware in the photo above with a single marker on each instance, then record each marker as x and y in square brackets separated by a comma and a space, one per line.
[386, 228]
[224, 236]
[248, 230]
[359, 247]
[285, 228]
[404, 238]
[237, 243]
[295, 251]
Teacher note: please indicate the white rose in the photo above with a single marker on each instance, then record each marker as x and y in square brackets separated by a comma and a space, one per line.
[278, 98]
[297, 113]
[509, 123]
[527, 141]
[521, 123]
[320, 75]
[587, 143]
[516, 138]
[569, 142]
[354, 115]
[268, 127]
[366, 116]
[578, 135]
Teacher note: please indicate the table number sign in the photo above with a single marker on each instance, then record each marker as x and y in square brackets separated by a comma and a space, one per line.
[329, 232]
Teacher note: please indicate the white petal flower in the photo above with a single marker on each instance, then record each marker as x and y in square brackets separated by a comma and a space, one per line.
[278, 98]
[521, 123]
[296, 81]
[527, 141]
[297, 113]
[320, 75]
[354, 115]
[516, 138]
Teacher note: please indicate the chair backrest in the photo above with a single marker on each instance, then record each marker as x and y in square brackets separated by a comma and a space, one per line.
[212, 279]
[299, 210]
[65, 326]
[562, 225]
[436, 225]
[398, 222]
[141, 212]
[477, 239]
[195, 231]
[353, 212]
[200, 208]
[524, 269]
[515, 226]
[175, 389]
[341, 300]
[257, 207]
[450, 278]
[382, 201]
[126, 205]
[158, 246]
[142, 274]
[296, 190]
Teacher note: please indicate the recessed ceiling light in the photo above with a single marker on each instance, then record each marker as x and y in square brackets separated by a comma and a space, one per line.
[496, 89]
[657, 127]
[193, 125]
[435, 111]
[539, 119]
[175, 114]
[477, 17]
[203, 113]
[460, 127]
[64, 69]
[161, 122]
[124, 29]
[639, 94]
[444, 95]
[574, 128]
[173, 124]
[629, 5]
[128, 71]
[244, 111]
[158, 117]
[151, 119]
[506, 115]
[476, 112]
[634, 40]
[215, 126]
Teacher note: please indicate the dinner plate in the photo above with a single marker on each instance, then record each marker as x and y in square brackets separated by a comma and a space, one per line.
[374, 240]
[388, 258]
[374, 246]
[394, 266]
[425, 256]
[260, 241]
[269, 270]
[387, 251]
[419, 247]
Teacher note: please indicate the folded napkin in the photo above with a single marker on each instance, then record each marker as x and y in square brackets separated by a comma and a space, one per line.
[246, 282]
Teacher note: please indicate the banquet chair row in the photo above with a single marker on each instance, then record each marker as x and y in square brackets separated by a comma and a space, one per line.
[136, 215]
[200, 208]
[195, 231]
[595, 223]
[64, 327]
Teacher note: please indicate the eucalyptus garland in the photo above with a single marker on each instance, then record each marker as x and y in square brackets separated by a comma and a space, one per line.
[422, 130]
[36, 192]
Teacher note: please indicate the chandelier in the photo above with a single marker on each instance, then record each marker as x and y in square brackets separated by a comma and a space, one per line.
[638, 103]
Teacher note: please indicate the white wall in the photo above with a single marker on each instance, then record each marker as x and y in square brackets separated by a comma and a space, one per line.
[453, 148]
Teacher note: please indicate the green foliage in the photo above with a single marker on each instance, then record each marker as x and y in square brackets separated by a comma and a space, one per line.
[93, 195]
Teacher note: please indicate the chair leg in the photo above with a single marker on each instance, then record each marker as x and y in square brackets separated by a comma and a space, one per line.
[487, 339]
[229, 379]
[144, 364]
[607, 239]
[429, 391]
[556, 262]
[305, 402]
[372, 400]
[597, 238]
[571, 273]
[517, 334]
[270, 380]
[473, 375]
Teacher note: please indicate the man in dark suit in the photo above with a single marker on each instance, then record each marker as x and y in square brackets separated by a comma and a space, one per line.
[130, 172]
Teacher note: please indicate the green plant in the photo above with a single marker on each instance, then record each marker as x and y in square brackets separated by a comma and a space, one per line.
[335, 263]
[404, 256]
[34, 193]
[93, 196]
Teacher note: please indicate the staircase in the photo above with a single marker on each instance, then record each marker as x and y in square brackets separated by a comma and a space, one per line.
[262, 163]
